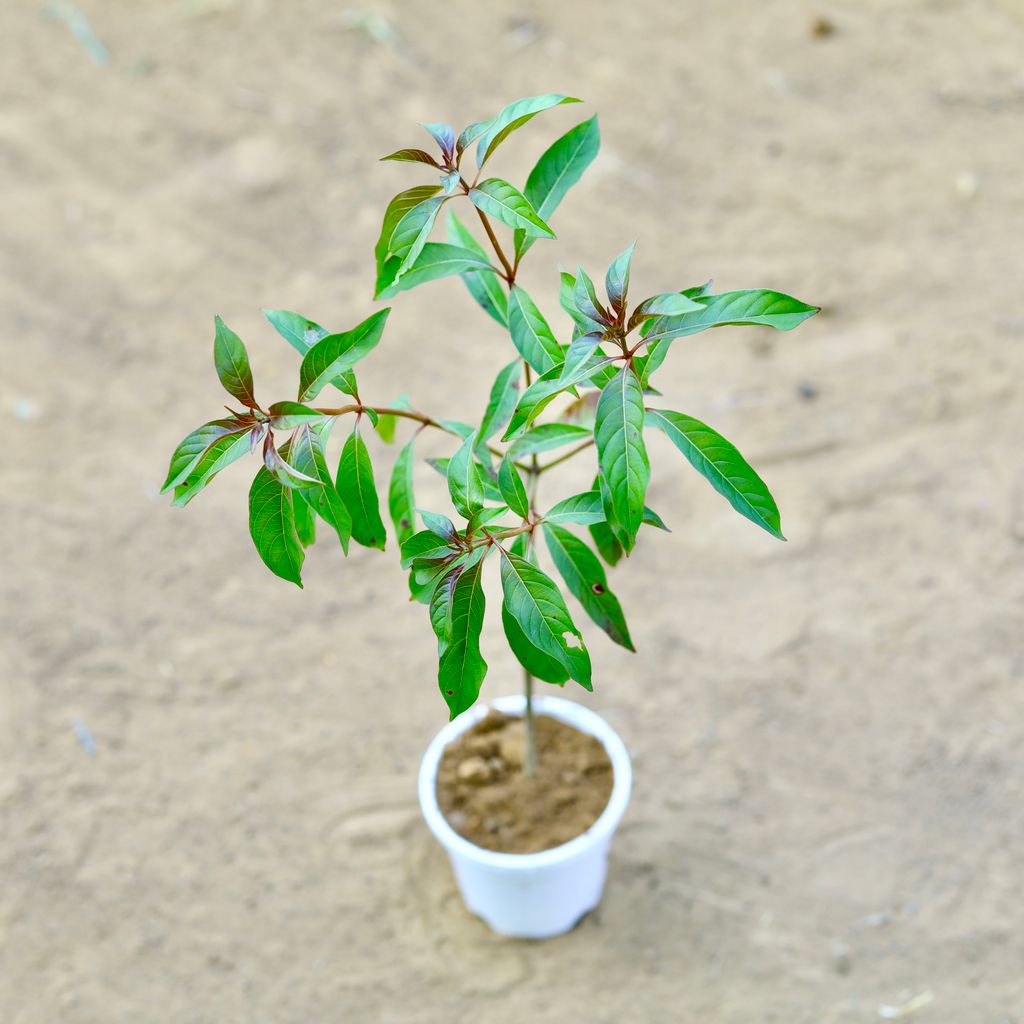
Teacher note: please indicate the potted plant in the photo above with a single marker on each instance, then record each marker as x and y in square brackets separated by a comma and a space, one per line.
[525, 795]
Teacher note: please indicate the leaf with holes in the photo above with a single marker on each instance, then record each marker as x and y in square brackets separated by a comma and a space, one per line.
[718, 461]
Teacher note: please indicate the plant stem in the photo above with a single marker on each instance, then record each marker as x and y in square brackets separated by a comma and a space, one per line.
[568, 455]
[510, 274]
[530, 754]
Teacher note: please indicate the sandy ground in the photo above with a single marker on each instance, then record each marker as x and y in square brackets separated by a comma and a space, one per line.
[827, 734]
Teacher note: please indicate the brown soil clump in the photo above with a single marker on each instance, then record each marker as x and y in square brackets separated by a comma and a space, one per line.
[487, 799]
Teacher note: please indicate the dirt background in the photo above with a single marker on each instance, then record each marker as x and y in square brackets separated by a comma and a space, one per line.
[207, 805]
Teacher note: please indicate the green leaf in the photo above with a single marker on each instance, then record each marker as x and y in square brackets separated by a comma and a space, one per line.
[305, 520]
[530, 332]
[412, 231]
[651, 518]
[721, 464]
[401, 499]
[272, 527]
[512, 117]
[439, 525]
[512, 488]
[618, 531]
[469, 135]
[586, 580]
[567, 300]
[412, 156]
[621, 453]
[584, 297]
[617, 279]
[300, 333]
[759, 307]
[502, 401]
[543, 390]
[464, 479]
[533, 659]
[537, 606]
[484, 285]
[546, 437]
[444, 136]
[339, 352]
[581, 351]
[485, 517]
[397, 209]
[284, 472]
[191, 449]
[289, 415]
[307, 454]
[232, 363]
[459, 429]
[462, 669]
[222, 452]
[558, 169]
[359, 492]
[584, 509]
[435, 261]
[664, 304]
[646, 365]
[505, 202]
[425, 544]
[606, 542]
[387, 424]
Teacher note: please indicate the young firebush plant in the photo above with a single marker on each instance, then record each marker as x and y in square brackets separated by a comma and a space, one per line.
[493, 473]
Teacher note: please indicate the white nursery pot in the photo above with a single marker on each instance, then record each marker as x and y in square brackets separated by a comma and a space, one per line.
[531, 895]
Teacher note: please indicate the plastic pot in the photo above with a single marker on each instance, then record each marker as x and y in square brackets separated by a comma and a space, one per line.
[531, 895]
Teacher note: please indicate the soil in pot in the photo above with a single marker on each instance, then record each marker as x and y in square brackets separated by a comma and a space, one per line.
[486, 797]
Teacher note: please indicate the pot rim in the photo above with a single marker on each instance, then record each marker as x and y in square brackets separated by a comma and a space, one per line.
[567, 711]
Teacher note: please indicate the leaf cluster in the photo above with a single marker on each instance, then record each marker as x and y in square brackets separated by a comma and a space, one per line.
[599, 370]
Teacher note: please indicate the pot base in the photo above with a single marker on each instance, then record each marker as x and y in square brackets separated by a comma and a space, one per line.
[531, 895]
